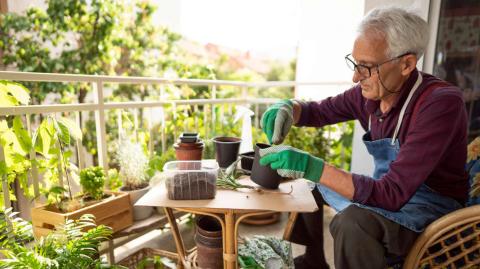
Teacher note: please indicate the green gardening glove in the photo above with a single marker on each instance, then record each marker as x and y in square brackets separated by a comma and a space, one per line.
[277, 120]
[292, 163]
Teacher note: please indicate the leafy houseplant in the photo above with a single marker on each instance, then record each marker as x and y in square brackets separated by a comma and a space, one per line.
[69, 247]
[48, 217]
[134, 165]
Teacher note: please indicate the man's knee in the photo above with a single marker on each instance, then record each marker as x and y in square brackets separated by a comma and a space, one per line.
[352, 220]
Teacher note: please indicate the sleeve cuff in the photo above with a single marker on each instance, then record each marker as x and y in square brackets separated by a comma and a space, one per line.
[315, 170]
[363, 188]
[304, 115]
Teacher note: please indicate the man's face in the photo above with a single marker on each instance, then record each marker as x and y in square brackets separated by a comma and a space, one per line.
[385, 79]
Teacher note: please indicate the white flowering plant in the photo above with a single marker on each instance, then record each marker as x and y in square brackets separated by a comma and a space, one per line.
[133, 164]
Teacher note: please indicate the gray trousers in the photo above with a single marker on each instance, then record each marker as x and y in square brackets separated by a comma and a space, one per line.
[362, 238]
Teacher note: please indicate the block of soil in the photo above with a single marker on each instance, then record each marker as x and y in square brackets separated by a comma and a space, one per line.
[191, 185]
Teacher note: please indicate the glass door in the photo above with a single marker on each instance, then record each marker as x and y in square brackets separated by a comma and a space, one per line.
[457, 53]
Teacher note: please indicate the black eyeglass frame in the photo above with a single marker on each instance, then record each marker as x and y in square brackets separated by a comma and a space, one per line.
[369, 68]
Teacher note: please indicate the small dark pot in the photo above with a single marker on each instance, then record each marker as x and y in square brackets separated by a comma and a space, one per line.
[264, 175]
[246, 161]
[189, 137]
[226, 150]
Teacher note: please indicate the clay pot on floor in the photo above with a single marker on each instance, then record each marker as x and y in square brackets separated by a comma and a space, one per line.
[208, 239]
[266, 219]
[226, 150]
[264, 175]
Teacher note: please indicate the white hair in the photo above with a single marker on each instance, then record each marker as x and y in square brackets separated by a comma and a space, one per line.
[404, 31]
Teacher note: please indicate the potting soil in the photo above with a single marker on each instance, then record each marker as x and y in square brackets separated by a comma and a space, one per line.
[191, 185]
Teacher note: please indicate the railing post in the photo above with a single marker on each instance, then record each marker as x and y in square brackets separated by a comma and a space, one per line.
[6, 192]
[256, 115]
[59, 165]
[78, 143]
[150, 133]
[33, 157]
[100, 124]
[135, 124]
[163, 125]
[214, 117]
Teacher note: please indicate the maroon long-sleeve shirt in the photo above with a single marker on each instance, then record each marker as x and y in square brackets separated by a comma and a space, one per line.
[433, 148]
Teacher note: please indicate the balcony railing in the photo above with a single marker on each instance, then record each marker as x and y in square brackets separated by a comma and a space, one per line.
[99, 106]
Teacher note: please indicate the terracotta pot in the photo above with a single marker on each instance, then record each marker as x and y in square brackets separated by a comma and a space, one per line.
[226, 150]
[188, 151]
[266, 219]
[208, 238]
[264, 175]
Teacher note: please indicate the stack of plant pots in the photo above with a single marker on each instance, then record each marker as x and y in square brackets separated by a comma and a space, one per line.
[189, 147]
[208, 239]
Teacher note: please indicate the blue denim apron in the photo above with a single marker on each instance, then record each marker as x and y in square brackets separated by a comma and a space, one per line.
[424, 207]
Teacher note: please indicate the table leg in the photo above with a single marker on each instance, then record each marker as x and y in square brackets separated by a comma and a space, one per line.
[292, 217]
[176, 233]
[230, 253]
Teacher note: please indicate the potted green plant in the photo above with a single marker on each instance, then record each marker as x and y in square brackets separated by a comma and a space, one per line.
[110, 208]
[134, 165]
[68, 247]
[92, 180]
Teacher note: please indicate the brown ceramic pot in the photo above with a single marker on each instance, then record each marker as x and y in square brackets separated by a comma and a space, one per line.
[189, 151]
[208, 239]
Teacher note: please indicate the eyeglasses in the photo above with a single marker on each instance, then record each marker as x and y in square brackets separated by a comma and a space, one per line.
[366, 71]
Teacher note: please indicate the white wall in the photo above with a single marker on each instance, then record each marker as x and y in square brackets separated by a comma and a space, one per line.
[327, 32]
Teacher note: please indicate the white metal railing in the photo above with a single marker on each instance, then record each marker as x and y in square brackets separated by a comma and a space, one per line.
[99, 106]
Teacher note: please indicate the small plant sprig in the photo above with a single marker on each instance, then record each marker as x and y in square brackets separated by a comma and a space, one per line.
[92, 180]
[228, 180]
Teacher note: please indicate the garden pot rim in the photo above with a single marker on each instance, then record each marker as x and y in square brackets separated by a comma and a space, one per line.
[234, 140]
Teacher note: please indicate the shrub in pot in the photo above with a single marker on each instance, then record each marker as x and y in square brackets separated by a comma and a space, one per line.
[92, 180]
[110, 208]
[134, 164]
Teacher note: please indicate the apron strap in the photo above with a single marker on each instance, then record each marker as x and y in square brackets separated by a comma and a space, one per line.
[404, 107]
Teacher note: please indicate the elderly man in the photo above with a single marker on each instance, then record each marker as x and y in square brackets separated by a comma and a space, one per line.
[416, 133]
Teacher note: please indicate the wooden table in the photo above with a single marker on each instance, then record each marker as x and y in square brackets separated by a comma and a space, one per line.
[231, 207]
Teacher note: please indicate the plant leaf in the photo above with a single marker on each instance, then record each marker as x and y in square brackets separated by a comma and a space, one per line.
[62, 132]
[46, 140]
[22, 135]
[6, 99]
[19, 92]
[73, 129]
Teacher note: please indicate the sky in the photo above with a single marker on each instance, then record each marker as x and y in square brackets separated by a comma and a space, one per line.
[266, 27]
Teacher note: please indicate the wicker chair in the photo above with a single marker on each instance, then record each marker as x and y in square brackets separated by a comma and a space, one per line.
[452, 241]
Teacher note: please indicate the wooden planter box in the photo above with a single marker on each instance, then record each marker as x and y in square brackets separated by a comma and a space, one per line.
[115, 212]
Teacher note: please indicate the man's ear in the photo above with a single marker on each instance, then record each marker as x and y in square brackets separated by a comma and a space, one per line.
[409, 63]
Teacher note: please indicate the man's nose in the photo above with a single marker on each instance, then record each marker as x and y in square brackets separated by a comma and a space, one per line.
[356, 77]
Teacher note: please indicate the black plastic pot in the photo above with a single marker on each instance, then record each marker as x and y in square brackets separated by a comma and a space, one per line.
[246, 161]
[189, 137]
[264, 175]
[226, 150]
